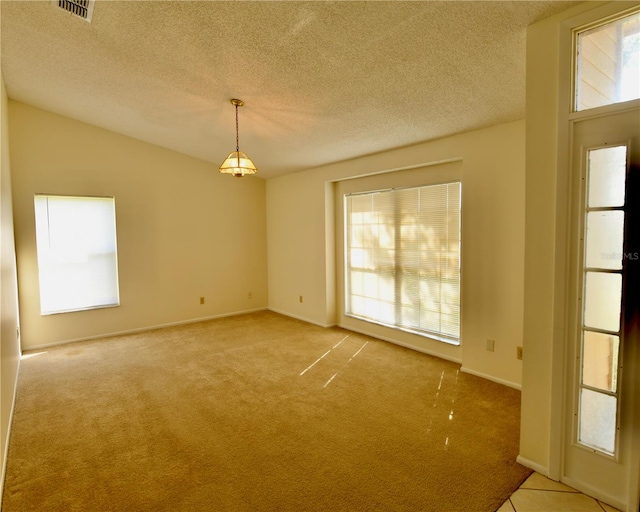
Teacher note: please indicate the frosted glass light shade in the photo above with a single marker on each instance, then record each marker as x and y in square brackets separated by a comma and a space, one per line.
[238, 164]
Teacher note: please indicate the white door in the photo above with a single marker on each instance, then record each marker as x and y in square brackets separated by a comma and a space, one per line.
[601, 412]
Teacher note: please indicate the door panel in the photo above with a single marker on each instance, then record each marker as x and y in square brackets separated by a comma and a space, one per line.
[601, 426]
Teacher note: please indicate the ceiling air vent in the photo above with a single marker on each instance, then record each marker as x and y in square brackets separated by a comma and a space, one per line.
[80, 8]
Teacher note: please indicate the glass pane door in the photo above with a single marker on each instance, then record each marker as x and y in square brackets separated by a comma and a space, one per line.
[601, 436]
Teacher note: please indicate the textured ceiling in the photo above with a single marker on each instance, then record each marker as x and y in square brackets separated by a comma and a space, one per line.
[321, 81]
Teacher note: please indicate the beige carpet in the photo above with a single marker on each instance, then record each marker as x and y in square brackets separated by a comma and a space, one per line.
[257, 412]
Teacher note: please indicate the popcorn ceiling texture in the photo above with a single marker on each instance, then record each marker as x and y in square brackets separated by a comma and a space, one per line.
[321, 81]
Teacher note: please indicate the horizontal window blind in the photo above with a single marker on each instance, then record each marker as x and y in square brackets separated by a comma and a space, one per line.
[403, 258]
[77, 257]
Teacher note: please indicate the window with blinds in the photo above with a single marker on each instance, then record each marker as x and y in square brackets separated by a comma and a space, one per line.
[77, 254]
[402, 259]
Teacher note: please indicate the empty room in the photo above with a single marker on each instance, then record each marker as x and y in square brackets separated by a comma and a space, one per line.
[320, 255]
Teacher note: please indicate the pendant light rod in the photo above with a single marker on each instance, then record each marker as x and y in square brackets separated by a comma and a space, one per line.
[237, 103]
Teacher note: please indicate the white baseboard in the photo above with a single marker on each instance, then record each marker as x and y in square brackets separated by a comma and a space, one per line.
[143, 329]
[405, 345]
[297, 317]
[538, 468]
[504, 382]
[6, 444]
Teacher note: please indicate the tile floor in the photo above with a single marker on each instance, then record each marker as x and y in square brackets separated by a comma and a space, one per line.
[539, 494]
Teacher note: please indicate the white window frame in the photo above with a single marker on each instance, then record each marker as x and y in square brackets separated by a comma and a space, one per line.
[575, 71]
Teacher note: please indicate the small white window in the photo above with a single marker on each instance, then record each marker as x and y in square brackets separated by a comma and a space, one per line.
[607, 67]
[77, 257]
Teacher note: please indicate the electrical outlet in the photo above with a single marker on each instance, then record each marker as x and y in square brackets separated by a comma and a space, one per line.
[519, 352]
[491, 345]
[201, 300]
[301, 299]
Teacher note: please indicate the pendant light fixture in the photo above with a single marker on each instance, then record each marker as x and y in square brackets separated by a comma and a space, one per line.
[238, 163]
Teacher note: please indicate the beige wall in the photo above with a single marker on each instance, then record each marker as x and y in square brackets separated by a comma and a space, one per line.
[184, 231]
[299, 205]
[9, 344]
